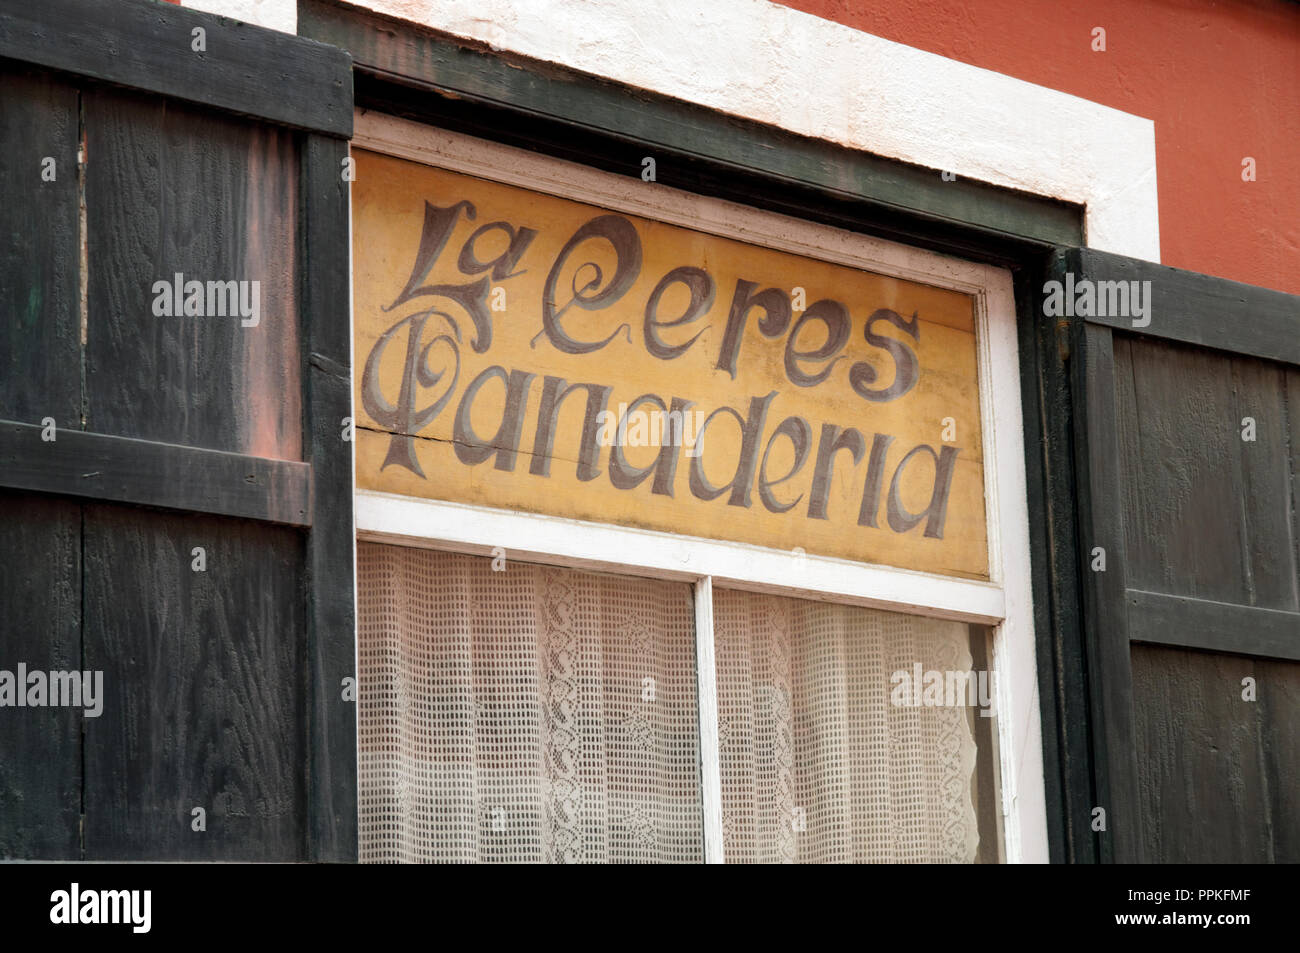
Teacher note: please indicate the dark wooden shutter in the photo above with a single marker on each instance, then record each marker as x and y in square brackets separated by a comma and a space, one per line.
[1201, 587]
[223, 688]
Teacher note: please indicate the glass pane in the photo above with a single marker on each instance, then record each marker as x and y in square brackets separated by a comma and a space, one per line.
[847, 734]
[524, 714]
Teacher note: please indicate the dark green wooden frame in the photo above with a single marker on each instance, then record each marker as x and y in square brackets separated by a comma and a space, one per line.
[451, 83]
[289, 81]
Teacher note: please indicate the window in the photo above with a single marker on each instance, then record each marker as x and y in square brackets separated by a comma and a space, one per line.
[828, 751]
[524, 714]
[558, 667]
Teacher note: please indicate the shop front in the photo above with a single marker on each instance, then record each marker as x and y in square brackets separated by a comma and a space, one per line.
[578, 471]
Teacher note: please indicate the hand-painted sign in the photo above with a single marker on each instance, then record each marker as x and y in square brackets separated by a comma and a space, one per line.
[520, 350]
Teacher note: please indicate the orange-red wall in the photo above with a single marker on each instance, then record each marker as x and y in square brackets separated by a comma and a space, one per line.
[1220, 79]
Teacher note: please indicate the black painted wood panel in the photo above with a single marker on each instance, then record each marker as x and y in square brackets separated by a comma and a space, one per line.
[331, 632]
[1207, 514]
[1102, 533]
[40, 315]
[1210, 762]
[224, 685]
[40, 626]
[172, 189]
[1201, 309]
[1292, 459]
[204, 681]
[1279, 706]
[151, 45]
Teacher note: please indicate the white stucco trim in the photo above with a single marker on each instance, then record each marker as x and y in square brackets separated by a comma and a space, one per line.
[279, 15]
[763, 61]
[766, 62]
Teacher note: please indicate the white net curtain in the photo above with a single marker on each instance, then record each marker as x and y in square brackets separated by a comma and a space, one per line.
[817, 764]
[527, 714]
[544, 714]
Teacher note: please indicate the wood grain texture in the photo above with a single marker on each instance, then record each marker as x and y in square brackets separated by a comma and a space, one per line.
[1279, 713]
[175, 190]
[1204, 781]
[1202, 309]
[40, 319]
[155, 474]
[204, 688]
[1206, 513]
[1292, 459]
[331, 725]
[1217, 626]
[40, 625]
[1105, 613]
[207, 673]
[148, 45]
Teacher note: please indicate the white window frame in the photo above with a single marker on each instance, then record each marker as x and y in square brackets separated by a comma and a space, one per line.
[1004, 602]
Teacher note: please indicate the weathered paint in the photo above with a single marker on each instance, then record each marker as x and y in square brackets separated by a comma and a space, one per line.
[769, 63]
[273, 14]
[898, 369]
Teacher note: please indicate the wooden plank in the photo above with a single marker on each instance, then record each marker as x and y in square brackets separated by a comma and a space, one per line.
[413, 72]
[331, 621]
[202, 681]
[244, 69]
[1268, 538]
[1279, 713]
[40, 320]
[1204, 793]
[170, 191]
[1054, 561]
[155, 474]
[1105, 622]
[1165, 619]
[1205, 510]
[40, 748]
[1291, 395]
[1201, 309]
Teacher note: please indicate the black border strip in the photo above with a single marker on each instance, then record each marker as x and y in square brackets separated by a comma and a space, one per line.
[1105, 618]
[147, 45]
[1201, 309]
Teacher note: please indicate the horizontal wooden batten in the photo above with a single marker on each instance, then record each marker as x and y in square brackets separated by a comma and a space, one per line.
[150, 46]
[148, 473]
[1164, 619]
[1199, 309]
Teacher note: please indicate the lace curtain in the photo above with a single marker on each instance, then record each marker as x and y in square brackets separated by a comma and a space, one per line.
[543, 714]
[817, 764]
[527, 714]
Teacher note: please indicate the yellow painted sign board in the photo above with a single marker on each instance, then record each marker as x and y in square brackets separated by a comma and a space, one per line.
[523, 351]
